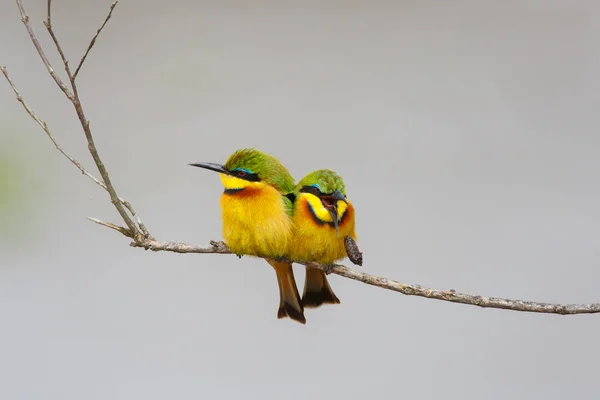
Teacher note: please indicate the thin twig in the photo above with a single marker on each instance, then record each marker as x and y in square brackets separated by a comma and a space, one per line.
[84, 171]
[112, 7]
[38, 47]
[409, 290]
[114, 198]
[48, 25]
[138, 220]
[44, 126]
[147, 242]
[85, 124]
[117, 228]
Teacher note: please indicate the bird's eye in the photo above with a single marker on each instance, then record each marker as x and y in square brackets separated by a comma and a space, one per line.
[241, 173]
[312, 190]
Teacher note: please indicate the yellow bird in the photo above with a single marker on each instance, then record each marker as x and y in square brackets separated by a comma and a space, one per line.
[257, 217]
[322, 217]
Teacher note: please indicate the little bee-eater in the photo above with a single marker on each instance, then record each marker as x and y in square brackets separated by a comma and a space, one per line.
[322, 217]
[257, 217]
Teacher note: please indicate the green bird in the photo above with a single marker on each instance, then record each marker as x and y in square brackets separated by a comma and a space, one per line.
[323, 216]
[257, 219]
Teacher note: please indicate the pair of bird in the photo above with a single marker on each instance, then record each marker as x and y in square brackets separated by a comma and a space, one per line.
[266, 214]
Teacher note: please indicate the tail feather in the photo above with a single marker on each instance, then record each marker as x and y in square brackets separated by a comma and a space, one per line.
[289, 298]
[317, 290]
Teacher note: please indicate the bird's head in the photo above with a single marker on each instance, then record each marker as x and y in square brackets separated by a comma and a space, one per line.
[326, 193]
[251, 167]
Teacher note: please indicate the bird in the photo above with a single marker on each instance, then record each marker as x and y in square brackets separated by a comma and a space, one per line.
[256, 216]
[323, 216]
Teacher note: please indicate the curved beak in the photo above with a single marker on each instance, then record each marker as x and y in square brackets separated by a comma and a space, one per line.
[332, 208]
[211, 166]
[339, 196]
[334, 217]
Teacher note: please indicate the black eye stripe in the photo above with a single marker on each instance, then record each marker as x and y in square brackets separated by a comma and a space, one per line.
[311, 190]
[245, 175]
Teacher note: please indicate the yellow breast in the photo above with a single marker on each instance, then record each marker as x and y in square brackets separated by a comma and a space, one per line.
[314, 238]
[255, 221]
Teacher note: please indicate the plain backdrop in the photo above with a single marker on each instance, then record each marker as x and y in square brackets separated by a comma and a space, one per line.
[466, 132]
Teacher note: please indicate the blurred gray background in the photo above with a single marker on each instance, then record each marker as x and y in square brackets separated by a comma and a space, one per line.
[467, 134]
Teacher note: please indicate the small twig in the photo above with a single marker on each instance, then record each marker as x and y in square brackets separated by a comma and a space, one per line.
[145, 241]
[74, 98]
[117, 228]
[84, 171]
[48, 25]
[85, 124]
[44, 126]
[138, 220]
[93, 41]
[114, 198]
[38, 47]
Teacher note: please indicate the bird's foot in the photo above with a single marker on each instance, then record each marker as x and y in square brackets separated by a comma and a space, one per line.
[328, 269]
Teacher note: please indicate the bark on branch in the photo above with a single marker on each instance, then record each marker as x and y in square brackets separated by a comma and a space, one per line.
[410, 290]
[137, 231]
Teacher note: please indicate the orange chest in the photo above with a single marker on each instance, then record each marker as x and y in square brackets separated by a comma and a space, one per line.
[317, 240]
[255, 222]
[252, 206]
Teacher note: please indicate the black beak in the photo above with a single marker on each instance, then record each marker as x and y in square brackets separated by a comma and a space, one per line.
[334, 217]
[337, 195]
[212, 166]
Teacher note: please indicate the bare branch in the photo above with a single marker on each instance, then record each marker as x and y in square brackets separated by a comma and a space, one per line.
[463, 298]
[112, 7]
[44, 126]
[84, 171]
[48, 24]
[85, 124]
[144, 240]
[138, 220]
[120, 229]
[74, 97]
[38, 47]
[114, 198]
[409, 290]
[177, 247]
